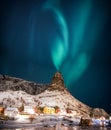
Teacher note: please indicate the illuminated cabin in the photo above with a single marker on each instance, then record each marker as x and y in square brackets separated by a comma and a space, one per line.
[28, 110]
[11, 112]
[2, 110]
[49, 110]
[62, 112]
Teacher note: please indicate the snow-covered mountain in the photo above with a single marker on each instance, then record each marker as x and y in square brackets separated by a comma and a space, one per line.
[14, 92]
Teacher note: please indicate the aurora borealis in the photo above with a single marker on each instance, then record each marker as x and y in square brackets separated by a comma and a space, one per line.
[40, 37]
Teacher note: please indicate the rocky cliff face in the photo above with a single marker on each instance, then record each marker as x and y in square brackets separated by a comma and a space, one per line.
[15, 91]
[57, 83]
[17, 84]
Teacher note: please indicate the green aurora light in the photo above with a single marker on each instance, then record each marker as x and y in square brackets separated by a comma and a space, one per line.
[73, 64]
[59, 48]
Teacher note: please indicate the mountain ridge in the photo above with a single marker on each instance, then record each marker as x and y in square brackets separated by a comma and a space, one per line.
[15, 91]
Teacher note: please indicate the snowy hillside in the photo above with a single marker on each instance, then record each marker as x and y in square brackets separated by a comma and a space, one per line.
[14, 92]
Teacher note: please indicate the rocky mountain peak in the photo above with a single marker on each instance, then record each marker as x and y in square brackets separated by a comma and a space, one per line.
[57, 78]
[57, 82]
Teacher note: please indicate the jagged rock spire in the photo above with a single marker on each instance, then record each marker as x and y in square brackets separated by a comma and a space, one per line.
[57, 82]
[57, 78]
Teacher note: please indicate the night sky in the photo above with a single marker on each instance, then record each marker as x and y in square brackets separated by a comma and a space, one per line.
[40, 37]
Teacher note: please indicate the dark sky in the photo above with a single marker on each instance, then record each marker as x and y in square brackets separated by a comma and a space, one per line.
[39, 37]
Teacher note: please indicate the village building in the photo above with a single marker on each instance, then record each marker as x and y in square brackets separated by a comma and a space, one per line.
[2, 110]
[49, 110]
[29, 109]
[62, 112]
[72, 113]
[11, 112]
[103, 121]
